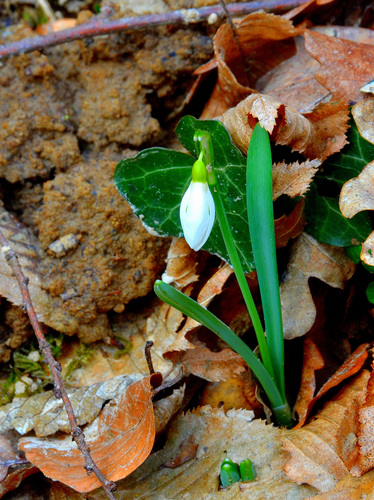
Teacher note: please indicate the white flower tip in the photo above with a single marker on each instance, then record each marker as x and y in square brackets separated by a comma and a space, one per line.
[197, 214]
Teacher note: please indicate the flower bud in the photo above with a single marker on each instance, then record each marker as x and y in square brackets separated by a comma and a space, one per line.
[197, 210]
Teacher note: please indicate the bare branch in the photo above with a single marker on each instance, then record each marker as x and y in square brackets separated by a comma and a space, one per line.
[55, 367]
[102, 26]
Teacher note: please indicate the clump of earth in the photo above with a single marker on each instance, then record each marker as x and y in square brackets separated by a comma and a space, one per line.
[68, 116]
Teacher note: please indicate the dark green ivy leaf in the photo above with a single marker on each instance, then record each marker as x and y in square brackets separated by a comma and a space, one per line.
[155, 180]
[324, 220]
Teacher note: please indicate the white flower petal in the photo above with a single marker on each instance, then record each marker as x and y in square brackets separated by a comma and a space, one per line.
[197, 213]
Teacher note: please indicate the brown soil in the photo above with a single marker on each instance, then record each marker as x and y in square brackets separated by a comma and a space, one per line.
[68, 116]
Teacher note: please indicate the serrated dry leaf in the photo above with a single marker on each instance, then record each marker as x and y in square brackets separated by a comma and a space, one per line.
[320, 451]
[120, 439]
[45, 414]
[363, 113]
[345, 65]
[351, 488]
[317, 135]
[293, 179]
[234, 435]
[309, 258]
[367, 251]
[26, 246]
[188, 449]
[350, 367]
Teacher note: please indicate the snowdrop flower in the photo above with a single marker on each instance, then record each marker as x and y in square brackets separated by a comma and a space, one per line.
[197, 210]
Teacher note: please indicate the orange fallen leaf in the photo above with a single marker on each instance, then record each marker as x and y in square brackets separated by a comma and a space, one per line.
[312, 361]
[350, 367]
[345, 65]
[15, 478]
[120, 439]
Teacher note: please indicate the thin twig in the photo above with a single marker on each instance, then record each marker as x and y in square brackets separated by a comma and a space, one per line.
[55, 367]
[99, 26]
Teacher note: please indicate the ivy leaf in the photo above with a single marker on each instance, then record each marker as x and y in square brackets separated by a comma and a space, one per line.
[155, 180]
[325, 221]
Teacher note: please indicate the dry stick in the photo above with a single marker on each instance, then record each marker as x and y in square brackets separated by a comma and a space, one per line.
[100, 26]
[55, 367]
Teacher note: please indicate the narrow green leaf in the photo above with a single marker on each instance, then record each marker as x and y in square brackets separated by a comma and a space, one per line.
[261, 228]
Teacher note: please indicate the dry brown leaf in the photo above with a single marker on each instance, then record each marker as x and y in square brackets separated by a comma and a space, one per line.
[345, 65]
[219, 435]
[212, 366]
[365, 449]
[363, 113]
[120, 439]
[312, 361]
[211, 289]
[26, 246]
[181, 264]
[45, 414]
[350, 367]
[293, 179]
[265, 40]
[8, 456]
[320, 451]
[367, 251]
[238, 392]
[15, 478]
[188, 449]
[357, 194]
[290, 226]
[165, 408]
[309, 258]
[317, 135]
[351, 488]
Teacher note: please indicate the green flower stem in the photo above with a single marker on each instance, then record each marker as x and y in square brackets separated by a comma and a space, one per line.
[261, 229]
[202, 138]
[190, 308]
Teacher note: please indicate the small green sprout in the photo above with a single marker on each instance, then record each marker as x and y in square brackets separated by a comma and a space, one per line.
[247, 470]
[229, 473]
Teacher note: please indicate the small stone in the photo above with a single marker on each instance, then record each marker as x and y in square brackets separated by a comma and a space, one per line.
[63, 244]
[34, 356]
[119, 308]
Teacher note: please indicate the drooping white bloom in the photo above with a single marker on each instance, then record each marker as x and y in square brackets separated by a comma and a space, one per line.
[197, 210]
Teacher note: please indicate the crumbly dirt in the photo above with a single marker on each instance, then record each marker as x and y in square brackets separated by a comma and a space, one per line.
[67, 117]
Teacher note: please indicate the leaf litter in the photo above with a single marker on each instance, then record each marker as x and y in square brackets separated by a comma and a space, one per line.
[320, 456]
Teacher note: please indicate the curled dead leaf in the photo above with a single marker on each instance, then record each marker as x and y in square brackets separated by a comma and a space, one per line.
[357, 194]
[316, 135]
[290, 226]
